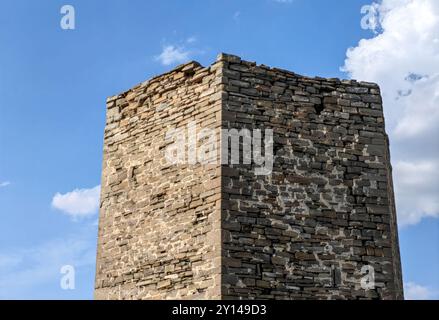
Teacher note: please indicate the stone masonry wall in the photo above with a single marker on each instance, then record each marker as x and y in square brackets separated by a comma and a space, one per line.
[327, 209]
[159, 233]
[205, 231]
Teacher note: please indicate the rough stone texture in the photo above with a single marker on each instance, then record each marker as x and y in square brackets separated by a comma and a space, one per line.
[159, 226]
[220, 231]
[306, 230]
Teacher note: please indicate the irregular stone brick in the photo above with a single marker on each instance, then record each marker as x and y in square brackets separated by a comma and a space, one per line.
[204, 231]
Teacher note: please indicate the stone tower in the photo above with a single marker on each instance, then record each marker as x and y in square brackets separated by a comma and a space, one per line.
[320, 223]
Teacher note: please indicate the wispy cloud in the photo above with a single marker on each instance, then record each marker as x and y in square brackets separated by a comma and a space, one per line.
[34, 272]
[283, 1]
[4, 184]
[191, 39]
[78, 203]
[180, 51]
[414, 291]
[173, 54]
[8, 261]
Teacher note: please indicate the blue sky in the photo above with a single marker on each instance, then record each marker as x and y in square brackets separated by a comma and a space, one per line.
[54, 82]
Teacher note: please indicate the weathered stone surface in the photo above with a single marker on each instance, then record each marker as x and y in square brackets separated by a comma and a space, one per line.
[171, 237]
[197, 231]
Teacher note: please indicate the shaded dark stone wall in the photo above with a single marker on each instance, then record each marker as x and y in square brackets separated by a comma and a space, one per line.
[327, 210]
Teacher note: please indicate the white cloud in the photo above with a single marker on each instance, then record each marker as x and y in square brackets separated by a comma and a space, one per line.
[79, 202]
[420, 108]
[417, 189]
[173, 54]
[413, 291]
[283, 1]
[403, 58]
[4, 184]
